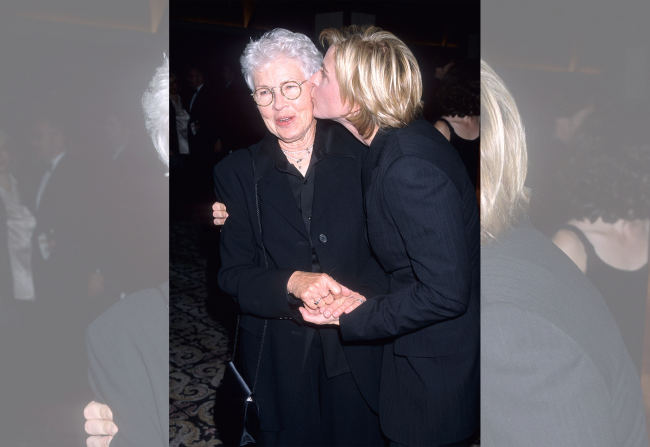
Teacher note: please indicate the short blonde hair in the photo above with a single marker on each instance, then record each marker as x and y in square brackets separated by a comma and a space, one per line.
[377, 72]
[504, 161]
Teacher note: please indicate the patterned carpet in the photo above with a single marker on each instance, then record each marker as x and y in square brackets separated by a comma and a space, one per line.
[198, 344]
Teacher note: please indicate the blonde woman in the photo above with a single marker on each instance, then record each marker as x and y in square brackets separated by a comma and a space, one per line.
[554, 369]
[423, 227]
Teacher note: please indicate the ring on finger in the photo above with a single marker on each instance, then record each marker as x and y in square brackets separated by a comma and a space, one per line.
[360, 300]
[316, 302]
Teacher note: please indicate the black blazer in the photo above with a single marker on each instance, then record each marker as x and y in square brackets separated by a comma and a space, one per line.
[262, 293]
[554, 369]
[423, 226]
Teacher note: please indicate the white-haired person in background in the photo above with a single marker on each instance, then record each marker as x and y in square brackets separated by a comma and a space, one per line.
[128, 345]
[16, 227]
[554, 369]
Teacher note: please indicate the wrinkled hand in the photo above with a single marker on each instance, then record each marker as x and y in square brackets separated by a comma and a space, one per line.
[219, 213]
[343, 305]
[316, 289]
[99, 424]
[315, 317]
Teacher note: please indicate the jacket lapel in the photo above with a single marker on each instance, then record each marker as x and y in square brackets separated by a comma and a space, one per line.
[273, 186]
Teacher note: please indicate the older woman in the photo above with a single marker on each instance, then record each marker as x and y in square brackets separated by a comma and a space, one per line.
[554, 370]
[295, 202]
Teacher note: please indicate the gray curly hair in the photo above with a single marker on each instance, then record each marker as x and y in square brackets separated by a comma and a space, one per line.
[280, 43]
[155, 104]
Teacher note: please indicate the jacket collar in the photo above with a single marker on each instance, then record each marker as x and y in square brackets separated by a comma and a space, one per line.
[327, 142]
[377, 145]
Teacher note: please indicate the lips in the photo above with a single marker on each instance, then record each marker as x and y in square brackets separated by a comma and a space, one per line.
[284, 121]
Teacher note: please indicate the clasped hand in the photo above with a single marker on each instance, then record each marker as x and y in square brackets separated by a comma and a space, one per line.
[324, 299]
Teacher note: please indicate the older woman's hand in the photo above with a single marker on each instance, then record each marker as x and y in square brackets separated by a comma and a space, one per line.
[343, 305]
[219, 213]
[99, 424]
[315, 317]
[316, 289]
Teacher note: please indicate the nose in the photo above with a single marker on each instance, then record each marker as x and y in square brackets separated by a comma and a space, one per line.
[279, 101]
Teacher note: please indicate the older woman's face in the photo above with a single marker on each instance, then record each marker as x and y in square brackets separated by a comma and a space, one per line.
[289, 120]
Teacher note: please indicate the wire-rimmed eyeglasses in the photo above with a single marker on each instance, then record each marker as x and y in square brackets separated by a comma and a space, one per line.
[264, 96]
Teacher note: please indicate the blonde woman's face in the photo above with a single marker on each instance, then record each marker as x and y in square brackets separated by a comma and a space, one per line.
[287, 119]
[326, 93]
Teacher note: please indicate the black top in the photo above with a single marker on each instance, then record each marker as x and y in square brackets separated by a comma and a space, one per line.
[625, 292]
[554, 369]
[303, 191]
[468, 150]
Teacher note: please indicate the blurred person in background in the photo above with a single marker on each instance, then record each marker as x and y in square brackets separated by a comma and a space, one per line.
[607, 183]
[459, 103]
[178, 127]
[554, 368]
[202, 134]
[179, 150]
[16, 227]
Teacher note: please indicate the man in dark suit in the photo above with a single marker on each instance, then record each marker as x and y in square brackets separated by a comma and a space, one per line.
[202, 131]
[423, 227]
[238, 124]
[66, 269]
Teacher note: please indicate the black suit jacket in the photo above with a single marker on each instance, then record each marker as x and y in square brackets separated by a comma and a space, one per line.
[337, 233]
[423, 226]
[554, 369]
[203, 113]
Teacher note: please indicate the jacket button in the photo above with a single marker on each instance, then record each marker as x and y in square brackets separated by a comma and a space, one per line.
[322, 238]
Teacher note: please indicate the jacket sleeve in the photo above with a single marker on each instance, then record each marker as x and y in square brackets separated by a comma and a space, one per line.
[427, 210]
[259, 291]
[540, 388]
[373, 281]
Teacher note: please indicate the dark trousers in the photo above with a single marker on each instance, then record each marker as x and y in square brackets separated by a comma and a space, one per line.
[328, 412]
